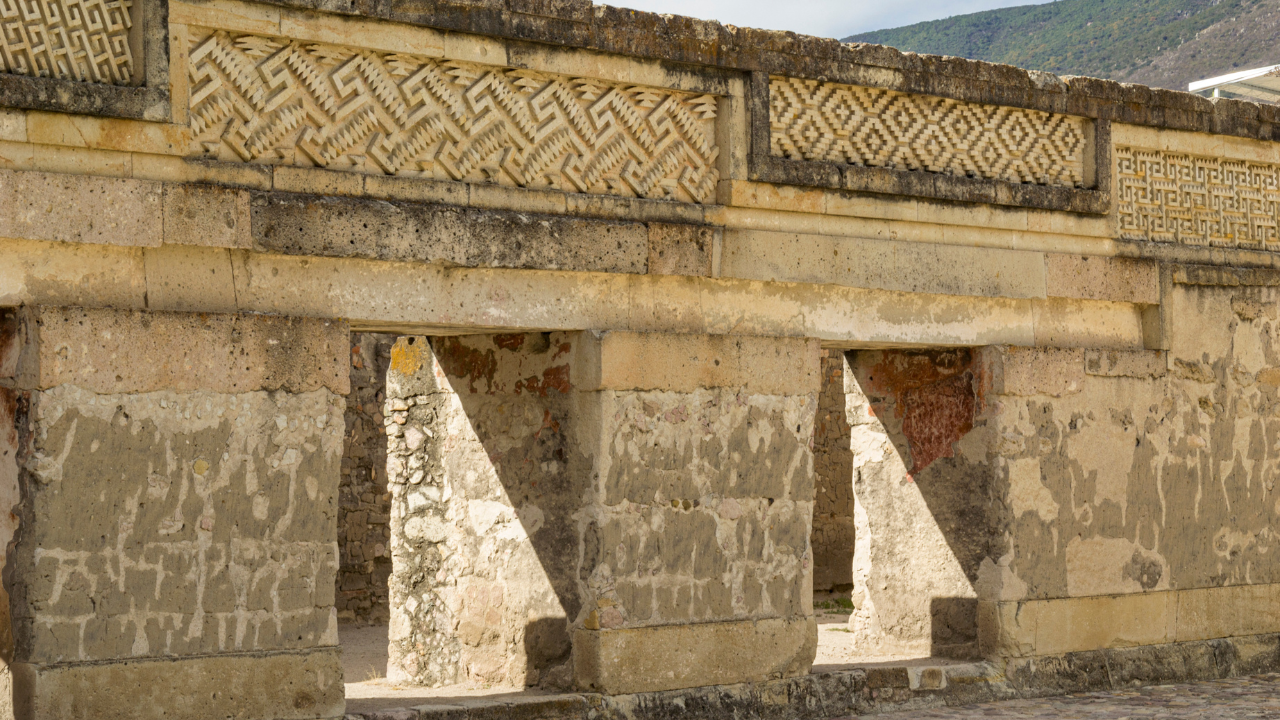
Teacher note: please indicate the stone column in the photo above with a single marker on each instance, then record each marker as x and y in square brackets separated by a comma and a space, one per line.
[928, 513]
[175, 554]
[619, 512]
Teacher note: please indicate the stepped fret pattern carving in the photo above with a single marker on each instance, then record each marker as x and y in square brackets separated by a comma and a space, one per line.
[84, 40]
[1193, 200]
[268, 100]
[830, 122]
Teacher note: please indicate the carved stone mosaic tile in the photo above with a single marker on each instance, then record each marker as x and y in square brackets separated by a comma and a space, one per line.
[85, 40]
[270, 100]
[831, 122]
[1194, 200]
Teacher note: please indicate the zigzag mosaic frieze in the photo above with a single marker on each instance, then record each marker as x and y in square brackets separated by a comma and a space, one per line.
[1194, 200]
[831, 122]
[269, 100]
[84, 40]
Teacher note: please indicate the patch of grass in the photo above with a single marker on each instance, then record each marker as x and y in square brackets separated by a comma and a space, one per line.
[836, 605]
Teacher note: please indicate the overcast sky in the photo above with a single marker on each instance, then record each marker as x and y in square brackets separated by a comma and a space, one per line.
[825, 18]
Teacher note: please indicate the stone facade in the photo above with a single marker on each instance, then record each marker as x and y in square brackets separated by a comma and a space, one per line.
[364, 500]
[612, 461]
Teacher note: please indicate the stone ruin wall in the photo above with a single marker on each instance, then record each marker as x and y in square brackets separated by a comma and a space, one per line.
[1083, 271]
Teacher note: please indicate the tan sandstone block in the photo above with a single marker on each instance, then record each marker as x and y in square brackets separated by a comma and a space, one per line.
[122, 351]
[361, 33]
[776, 197]
[681, 249]
[108, 133]
[178, 169]
[883, 264]
[315, 181]
[1089, 323]
[1102, 278]
[206, 215]
[283, 686]
[189, 279]
[227, 15]
[683, 363]
[875, 206]
[82, 161]
[13, 126]
[17, 155]
[475, 48]
[611, 67]
[641, 209]
[1028, 371]
[414, 189]
[1097, 623]
[1007, 629]
[670, 657]
[35, 272]
[493, 195]
[78, 208]
[1208, 613]
[179, 80]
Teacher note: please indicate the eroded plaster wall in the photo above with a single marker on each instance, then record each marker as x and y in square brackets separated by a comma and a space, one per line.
[550, 485]
[1137, 472]
[178, 502]
[1044, 501]
[364, 500]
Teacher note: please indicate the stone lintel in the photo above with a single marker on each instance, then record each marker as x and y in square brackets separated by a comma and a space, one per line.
[670, 657]
[133, 351]
[683, 363]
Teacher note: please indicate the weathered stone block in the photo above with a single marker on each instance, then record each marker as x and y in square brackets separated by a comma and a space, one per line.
[293, 686]
[679, 656]
[110, 351]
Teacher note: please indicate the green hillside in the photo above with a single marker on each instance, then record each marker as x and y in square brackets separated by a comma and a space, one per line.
[1133, 40]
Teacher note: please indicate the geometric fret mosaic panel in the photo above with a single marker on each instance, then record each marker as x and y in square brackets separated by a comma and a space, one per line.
[271, 100]
[872, 127]
[84, 40]
[1196, 200]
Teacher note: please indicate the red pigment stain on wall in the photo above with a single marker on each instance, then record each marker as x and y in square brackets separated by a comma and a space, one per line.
[463, 361]
[553, 378]
[934, 395]
[509, 342]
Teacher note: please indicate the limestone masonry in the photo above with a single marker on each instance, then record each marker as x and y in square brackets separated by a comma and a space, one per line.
[584, 348]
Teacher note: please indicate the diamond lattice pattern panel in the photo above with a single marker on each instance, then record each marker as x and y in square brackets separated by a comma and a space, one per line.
[84, 40]
[830, 122]
[1167, 197]
[268, 100]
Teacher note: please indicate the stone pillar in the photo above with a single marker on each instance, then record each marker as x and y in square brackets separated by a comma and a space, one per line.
[175, 554]
[927, 512]
[620, 512]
